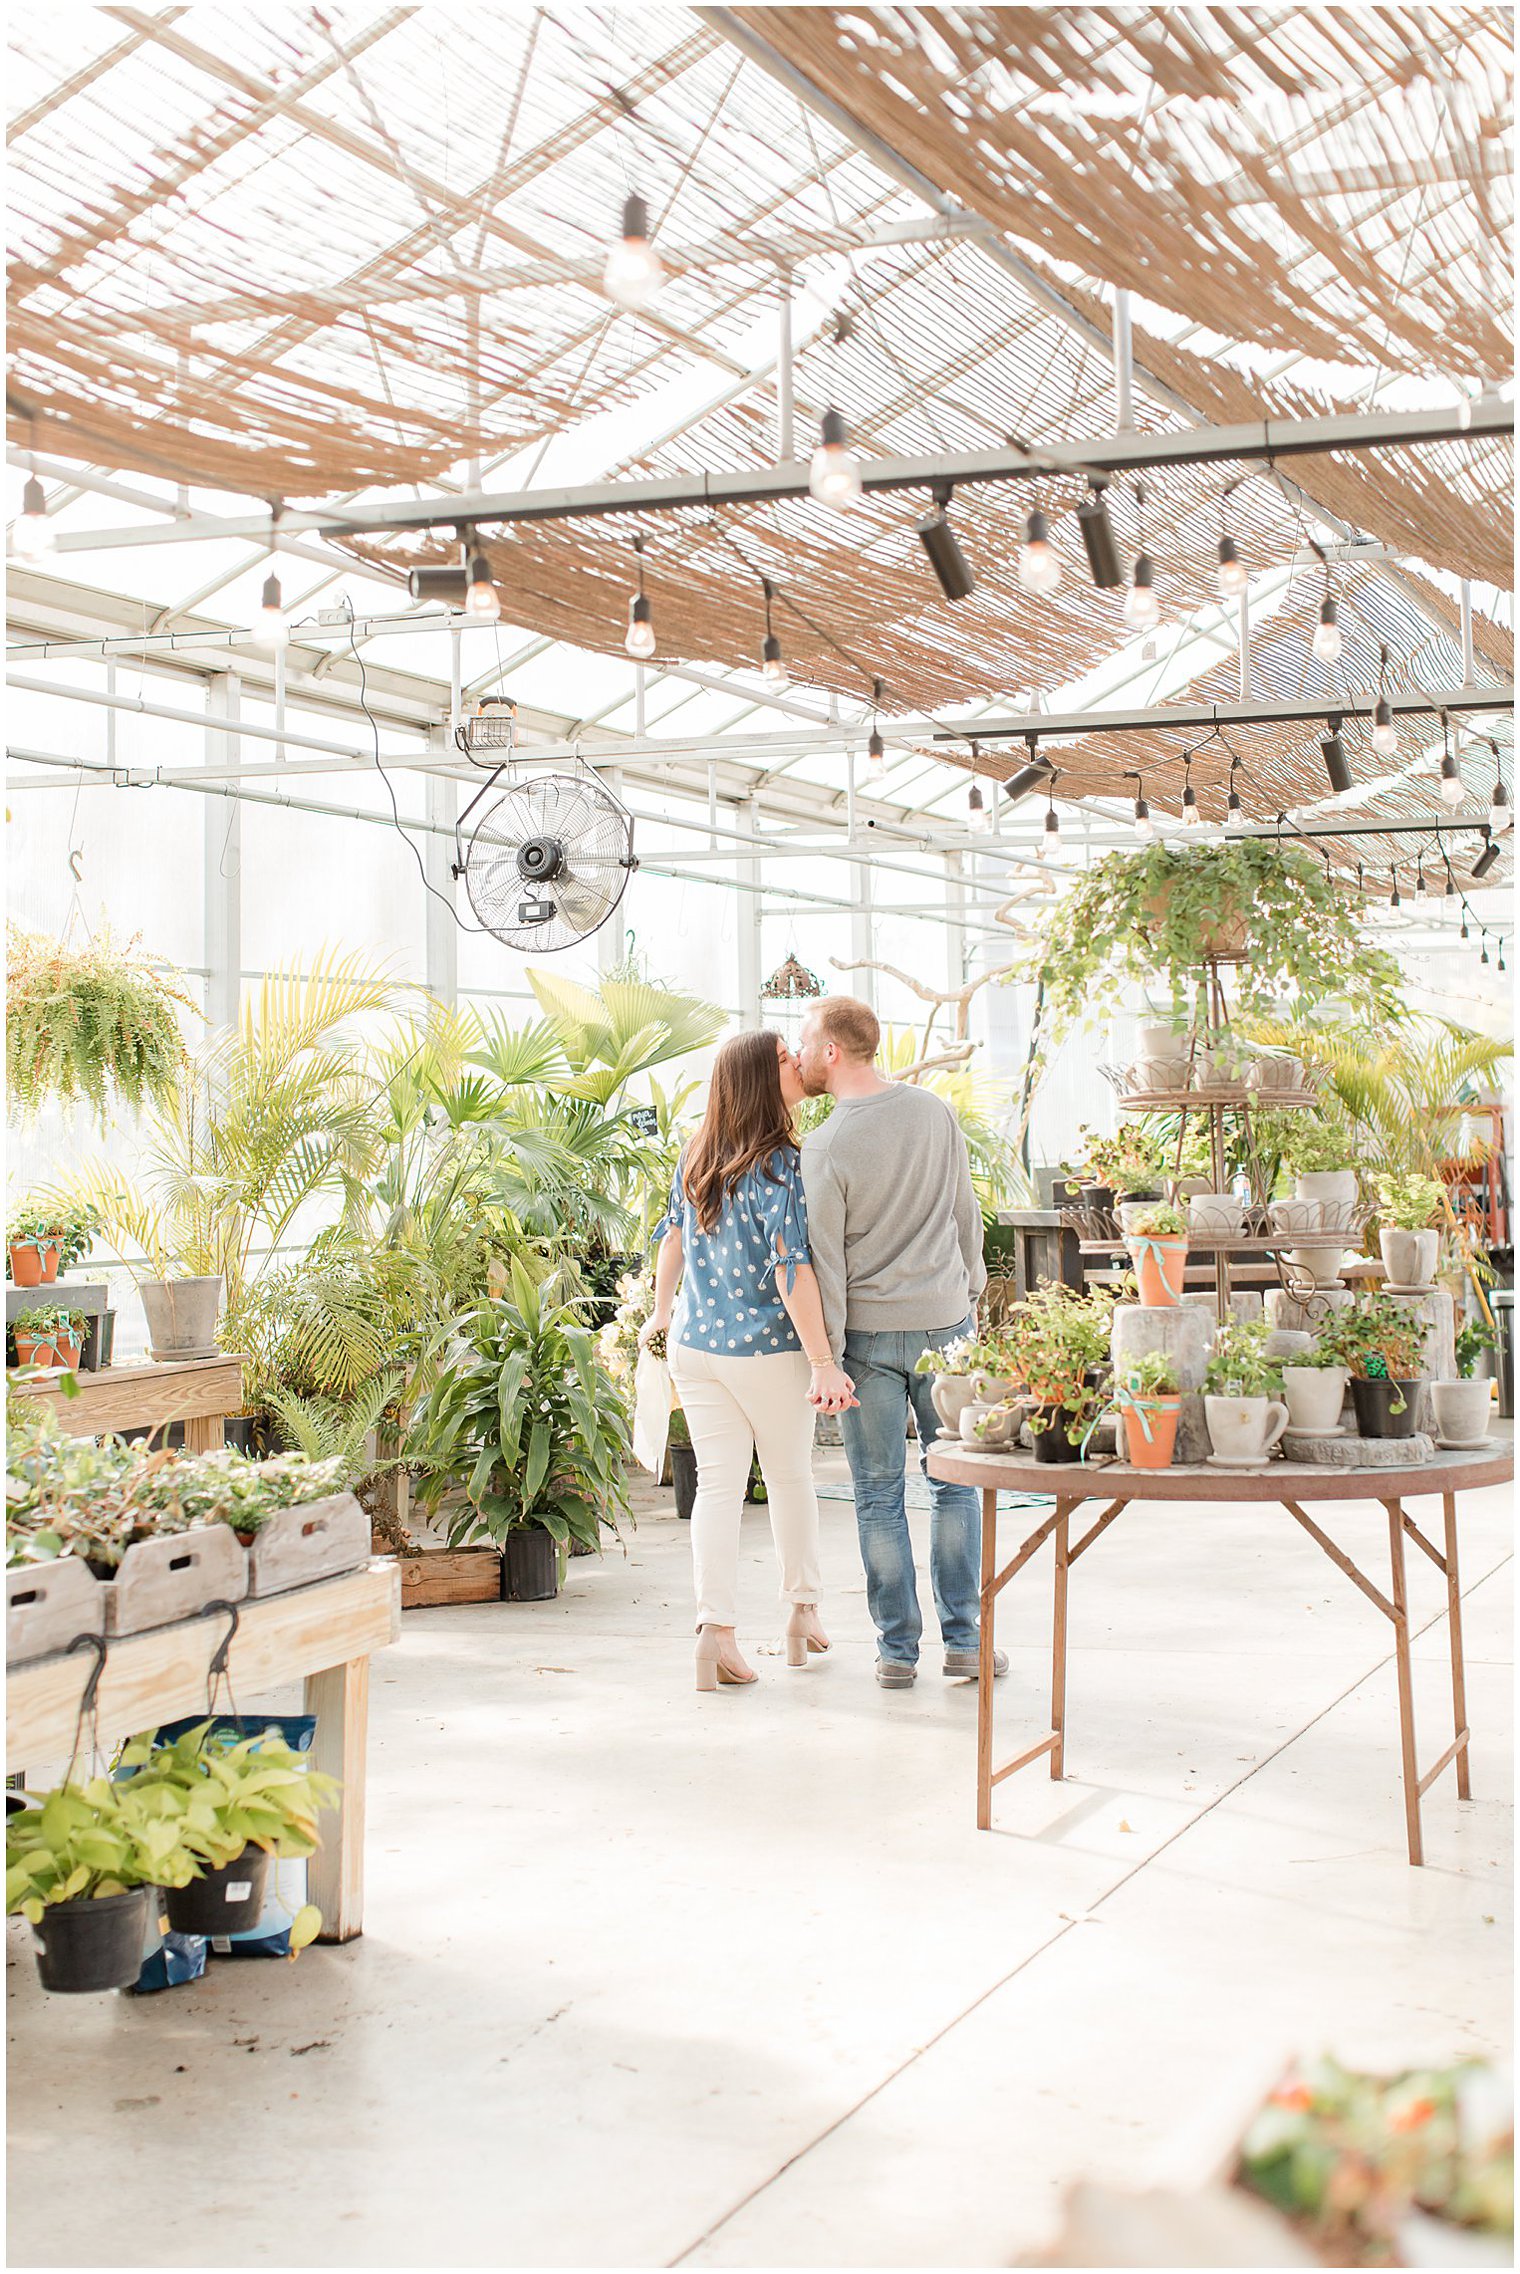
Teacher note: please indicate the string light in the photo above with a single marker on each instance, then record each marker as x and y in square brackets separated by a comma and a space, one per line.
[34, 536]
[1039, 562]
[272, 629]
[981, 817]
[1501, 814]
[1395, 898]
[1327, 642]
[1232, 572]
[1421, 888]
[1144, 826]
[1232, 805]
[1501, 955]
[834, 474]
[482, 603]
[639, 642]
[1191, 817]
[1052, 839]
[876, 749]
[1452, 792]
[1483, 958]
[1141, 607]
[633, 274]
[772, 663]
[1384, 740]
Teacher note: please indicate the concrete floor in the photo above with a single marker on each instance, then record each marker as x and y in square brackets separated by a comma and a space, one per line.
[654, 1979]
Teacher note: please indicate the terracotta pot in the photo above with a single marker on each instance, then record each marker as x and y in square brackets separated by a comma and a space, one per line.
[1155, 1451]
[26, 1265]
[48, 1350]
[1159, 1264]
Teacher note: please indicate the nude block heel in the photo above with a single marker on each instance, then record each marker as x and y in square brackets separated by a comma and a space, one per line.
[805, 1638]
[707, 1672]
[796, 1650]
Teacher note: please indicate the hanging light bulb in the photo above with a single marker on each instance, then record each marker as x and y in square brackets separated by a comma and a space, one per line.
[482, 602]
[633, 274]
[772, 663]
[1395, 898]
[640, 640]
[1451, 885]
[271, 626]
[1501, 955]
[876, 756]
[1232, 574]
[1233, 809]
[1144, 826]
[981, 812]
[1327, 642]
[1483, 958]
[1421, 888]
[1501, 814]
[1452, 792]
[1039, 562]
[834, 475]
[1051, 842]
[1191, 817]
[33, 535]
[1466, 934]
[1141, 607]
[1385, 740]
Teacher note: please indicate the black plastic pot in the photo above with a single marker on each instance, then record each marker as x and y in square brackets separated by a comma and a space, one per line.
[1374, 1402]
[683, 1475]
[1052, 1443]
[225, 1901]
[95, 1943]
[529, 1567]
[1097, 1195]
[1142, 1192]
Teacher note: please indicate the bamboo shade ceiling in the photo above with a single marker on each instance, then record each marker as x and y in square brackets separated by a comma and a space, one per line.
[1329, 180]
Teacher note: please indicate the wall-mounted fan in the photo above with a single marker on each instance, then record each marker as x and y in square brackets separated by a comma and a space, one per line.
[548, 861]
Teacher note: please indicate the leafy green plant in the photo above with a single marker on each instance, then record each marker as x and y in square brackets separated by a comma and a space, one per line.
[1410, 1203]
[1376, 1339]
[50, 1322]
[1050, 1344]
[1473, 1338]
[95, 1022]
[1238, 1363]
[1320, 1355]
[1161, 911]
[221, 1794]
[1163, 1222]
[1306, 1144]
[524, 1418]
[1154, 1376]
[1133, 1160]
[70, 1496]
[332, 1432]
[82, 1841]
[41, 1223]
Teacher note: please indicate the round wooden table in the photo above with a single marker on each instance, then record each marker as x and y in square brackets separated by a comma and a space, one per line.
[1071, 1485]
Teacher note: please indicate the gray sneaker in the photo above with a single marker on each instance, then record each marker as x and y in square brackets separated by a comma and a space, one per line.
[967, 1664]
[896, 1673]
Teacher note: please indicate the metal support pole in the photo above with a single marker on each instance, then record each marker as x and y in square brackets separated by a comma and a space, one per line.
[863, 934]
[279, 703]
[1467, 634]
[750, 941]
[441, 933]
[1243, 685]
[611, 938]
[222, 856]
[638, 702]
[784, 445]
[456, 680]
[1124, 364]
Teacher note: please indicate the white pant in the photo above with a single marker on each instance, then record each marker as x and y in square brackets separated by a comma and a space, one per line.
[736, 1407]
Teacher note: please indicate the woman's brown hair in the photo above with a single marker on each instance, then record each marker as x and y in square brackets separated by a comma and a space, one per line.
[747, 1120]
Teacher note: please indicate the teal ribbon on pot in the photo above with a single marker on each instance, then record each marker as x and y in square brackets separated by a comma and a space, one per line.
[1124, 1399]
[1150, 1244]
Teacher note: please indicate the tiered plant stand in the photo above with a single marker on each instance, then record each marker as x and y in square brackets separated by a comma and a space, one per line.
[1283, 1482]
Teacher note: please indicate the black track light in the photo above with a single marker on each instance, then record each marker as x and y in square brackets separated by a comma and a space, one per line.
[1337, 767]
[949, 563]
[448, 584]
[1098, 537]
[1488, 856]
[1032, 776]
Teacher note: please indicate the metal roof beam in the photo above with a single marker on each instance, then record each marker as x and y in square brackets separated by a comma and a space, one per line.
[1188, 716]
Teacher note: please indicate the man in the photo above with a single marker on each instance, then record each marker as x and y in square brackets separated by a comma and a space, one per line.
[896, 1240]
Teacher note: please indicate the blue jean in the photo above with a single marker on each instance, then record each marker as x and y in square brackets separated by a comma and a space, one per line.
[875, 1432]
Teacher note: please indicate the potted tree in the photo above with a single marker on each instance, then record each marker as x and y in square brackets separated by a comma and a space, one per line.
[80, 1864]
[1314, 1388]
[1149, 1402]
[1157, 1238]
[1379, 1342]
[1411, 1210]
[50, 1335]
[524, 1419]
[1056, 1342]
[1241, 1384]
[1464, 1408]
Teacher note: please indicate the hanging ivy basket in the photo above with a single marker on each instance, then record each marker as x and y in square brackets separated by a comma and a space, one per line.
[93, 1022]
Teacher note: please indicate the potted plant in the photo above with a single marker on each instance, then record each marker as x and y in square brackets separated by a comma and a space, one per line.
[1315, 1152]
[1411, 1210]
[32, 1247]
[1464, 1408]
[1379, 1342]
[95, 1023]
[955, 1369]
[80, 1865]
[1157, 1238]
[1241, 1384]
[1314, 1388]
[229, 1805]
[50, 1335]
[1055, 1343]
[1129, 1166]
[1149, 1402]
[525, 1420]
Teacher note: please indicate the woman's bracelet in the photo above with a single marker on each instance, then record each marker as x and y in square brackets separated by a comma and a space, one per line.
[815, 1363]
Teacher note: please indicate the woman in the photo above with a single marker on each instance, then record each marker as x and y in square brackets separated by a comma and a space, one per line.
[747, 1347]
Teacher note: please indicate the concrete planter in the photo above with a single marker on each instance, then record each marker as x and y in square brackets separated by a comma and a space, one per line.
[1315, 1396]
[1338, 1192]
[1409, 1259]
[182, 1316]
[1462, 1410]
[1320, 1265]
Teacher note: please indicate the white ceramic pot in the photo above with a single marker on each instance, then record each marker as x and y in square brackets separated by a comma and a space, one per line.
[1315, 1396]
[1297, 1216]
[1157, 1074]
[993, 1389]
[1320, 1264]
[1130, 1211]
[1463, 1410]
[1337, 1191]
[1277, 1076]
[1409, 1258]
[1216, 1215]
[990, 1427]
[950, 1395]
[1244, 1430]
[1162, 1043]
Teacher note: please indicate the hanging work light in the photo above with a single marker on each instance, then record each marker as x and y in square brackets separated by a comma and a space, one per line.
[939, 541]
[1098, 537]
[633, 274]
[1337, 767]
[834, 475]
[1232, 574]
[482, 602]
[1327, 642]
[33, 536]
[1385, 740]
[1039, 562]
[1487, 857]
[1142, 609]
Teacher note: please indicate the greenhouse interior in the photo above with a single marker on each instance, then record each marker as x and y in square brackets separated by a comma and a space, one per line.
[759, 805]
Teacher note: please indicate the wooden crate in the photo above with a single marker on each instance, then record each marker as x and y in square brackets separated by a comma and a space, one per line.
[450, 1575]
[48, 1604]
[174, 1577]
[315, 1540]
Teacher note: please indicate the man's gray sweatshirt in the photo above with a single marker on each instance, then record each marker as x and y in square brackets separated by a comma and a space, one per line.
[894, 1226]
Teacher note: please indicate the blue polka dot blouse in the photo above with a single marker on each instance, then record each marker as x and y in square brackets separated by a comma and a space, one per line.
[729, 1302]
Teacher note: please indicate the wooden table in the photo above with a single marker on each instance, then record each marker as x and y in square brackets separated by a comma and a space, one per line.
[200, 1392]
[1288, 1484]
[324, 1634]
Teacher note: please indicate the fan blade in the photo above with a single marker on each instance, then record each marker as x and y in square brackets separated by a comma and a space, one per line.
[583, 901]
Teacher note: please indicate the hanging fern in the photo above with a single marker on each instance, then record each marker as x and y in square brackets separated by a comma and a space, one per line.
[86, 1023]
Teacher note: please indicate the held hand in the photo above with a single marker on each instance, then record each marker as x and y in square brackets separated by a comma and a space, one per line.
[831, 1389]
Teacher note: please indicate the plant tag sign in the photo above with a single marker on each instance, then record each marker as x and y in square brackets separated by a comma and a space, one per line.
[237, 1891]
[645, 1120]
